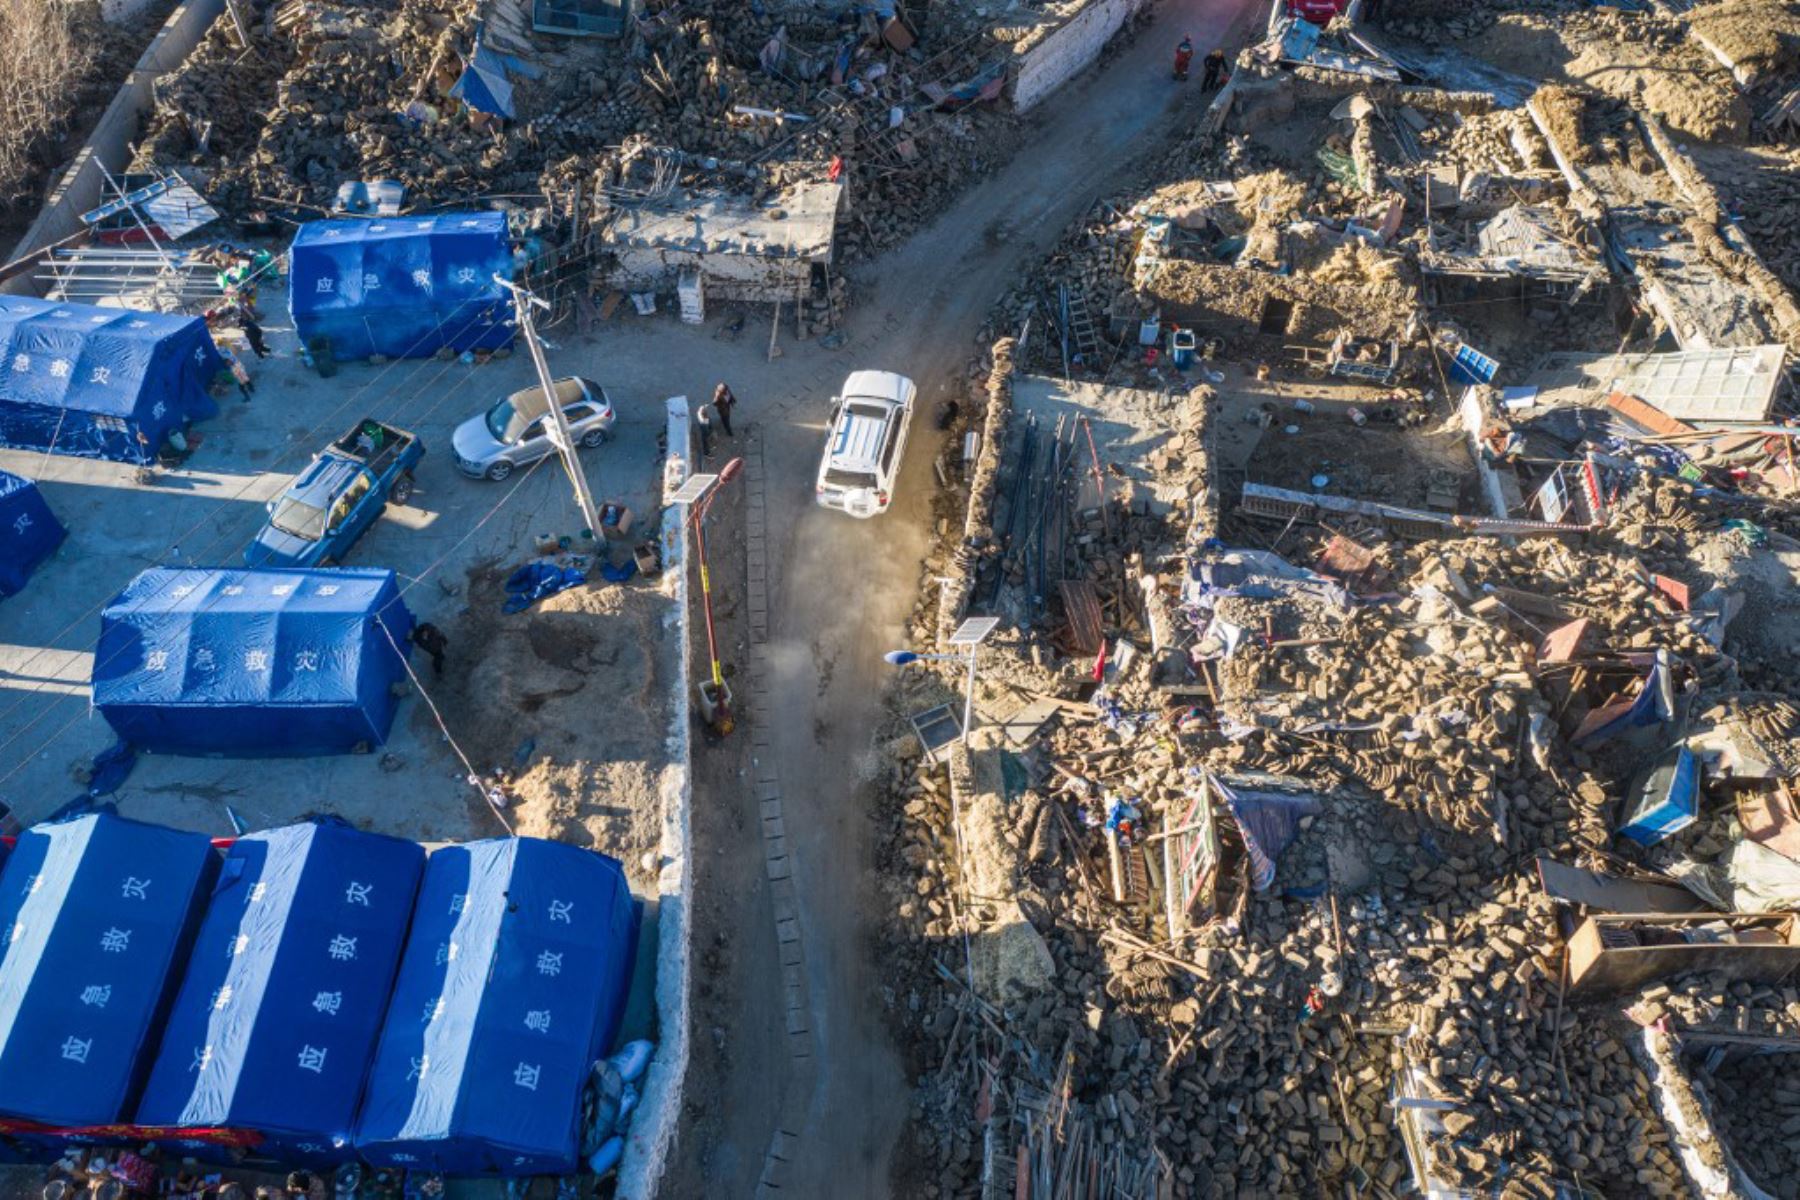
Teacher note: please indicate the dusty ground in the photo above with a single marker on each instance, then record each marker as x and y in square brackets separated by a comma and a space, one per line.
[913, 313]
[568, 699]
[511, 679]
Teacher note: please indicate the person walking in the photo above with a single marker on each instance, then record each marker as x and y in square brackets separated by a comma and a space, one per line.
[1184, 54]
[239, 372]
[723, 402]
[253, 333]
[431, 640]
[703, 417]
[1215, 70]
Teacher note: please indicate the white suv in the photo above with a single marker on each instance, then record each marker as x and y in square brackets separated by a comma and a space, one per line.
[866, 442]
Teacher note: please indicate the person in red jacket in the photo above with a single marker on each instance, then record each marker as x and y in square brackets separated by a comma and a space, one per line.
[1184, 54]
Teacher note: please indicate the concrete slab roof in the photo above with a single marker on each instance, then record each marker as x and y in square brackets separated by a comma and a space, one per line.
[1735, 385]
[798, 224]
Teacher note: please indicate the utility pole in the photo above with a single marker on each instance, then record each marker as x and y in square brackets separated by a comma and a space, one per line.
[558, 427]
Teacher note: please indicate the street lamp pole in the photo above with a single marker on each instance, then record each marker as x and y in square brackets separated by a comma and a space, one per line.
[699, 503]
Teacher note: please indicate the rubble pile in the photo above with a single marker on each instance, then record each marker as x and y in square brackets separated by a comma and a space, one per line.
[1405, 947]
[332, 91]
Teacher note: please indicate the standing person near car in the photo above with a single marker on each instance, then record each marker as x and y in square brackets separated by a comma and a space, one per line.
[723, 402]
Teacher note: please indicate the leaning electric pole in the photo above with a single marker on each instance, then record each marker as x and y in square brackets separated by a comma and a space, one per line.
[558, 427]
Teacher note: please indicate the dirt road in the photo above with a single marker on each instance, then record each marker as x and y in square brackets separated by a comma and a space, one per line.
[832, 1102]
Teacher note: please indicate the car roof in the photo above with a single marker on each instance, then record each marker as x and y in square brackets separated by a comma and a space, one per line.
[528, 403]
[327, 477]
[857, 441]
[877, 385]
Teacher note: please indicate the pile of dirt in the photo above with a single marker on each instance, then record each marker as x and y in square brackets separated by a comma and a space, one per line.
[1758, 39]
[566, 703]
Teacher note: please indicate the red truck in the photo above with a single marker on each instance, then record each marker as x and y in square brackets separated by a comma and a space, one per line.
[1319, 12]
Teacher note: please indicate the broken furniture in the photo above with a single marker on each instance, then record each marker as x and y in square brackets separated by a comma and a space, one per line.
[1612, 953]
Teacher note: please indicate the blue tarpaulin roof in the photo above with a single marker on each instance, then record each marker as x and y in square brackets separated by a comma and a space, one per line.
[99, 911]
[277, 1018]
[252, 662]
[29, 531]
[81, 380]
[513, 984]
[403, 287]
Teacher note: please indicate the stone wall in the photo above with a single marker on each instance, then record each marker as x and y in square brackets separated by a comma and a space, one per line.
[1053, 61]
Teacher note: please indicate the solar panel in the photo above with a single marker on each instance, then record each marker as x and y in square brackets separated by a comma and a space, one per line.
[693, 489]
[973, 631]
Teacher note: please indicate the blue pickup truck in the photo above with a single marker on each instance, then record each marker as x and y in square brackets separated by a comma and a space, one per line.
[337, 497]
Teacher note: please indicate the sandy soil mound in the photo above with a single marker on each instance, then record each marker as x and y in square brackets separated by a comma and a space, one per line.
[1761, 38]
[567, 699]
[1647, 62]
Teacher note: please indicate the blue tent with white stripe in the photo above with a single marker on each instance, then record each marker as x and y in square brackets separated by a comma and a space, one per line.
[245, 663]
[100, 382]
[100, 912]
[513, 985]
[276, 1022]
[29, 531]
[403, 287]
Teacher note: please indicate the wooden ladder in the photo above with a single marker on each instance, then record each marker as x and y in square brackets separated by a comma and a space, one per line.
[1083, 336]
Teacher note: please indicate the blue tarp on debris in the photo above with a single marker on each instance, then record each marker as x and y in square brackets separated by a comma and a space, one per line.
[29, 531]
[87, 381]
[403, 287]
[252, 662]
[100, 911]
[277, 1018]
[1268, 818]
[513, 985]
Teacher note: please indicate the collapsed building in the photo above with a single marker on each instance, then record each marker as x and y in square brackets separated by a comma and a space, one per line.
[1384, 783]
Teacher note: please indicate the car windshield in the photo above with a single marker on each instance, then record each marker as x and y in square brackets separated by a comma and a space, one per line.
[301, 520]
[849, 480]
[508, 420]
[505, 423]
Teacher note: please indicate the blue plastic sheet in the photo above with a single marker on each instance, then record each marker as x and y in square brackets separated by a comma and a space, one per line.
[29, 531]
[252, 662]
[404, 287]
[512, 987]
[276, 1022]
[99, 912]
[536, 581]
[1269, 821]
[100, 382]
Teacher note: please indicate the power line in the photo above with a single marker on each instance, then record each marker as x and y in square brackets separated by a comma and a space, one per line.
[472, 778]
[312, 429]
[413, 582]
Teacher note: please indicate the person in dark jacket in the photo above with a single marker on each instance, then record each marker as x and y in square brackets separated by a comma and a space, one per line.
[1215, 70]
[723, 402]
[431, 640]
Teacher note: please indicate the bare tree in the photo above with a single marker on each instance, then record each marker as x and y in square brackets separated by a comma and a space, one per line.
[43, 57]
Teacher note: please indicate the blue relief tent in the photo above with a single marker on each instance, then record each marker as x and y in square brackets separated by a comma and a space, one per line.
[513, 985]
[403, 287]
[276, 1022]
[100, 382]
[100, 912]
[246, 663]
[29, 531]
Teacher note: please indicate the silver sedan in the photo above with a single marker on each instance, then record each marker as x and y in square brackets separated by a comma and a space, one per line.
[513, 433]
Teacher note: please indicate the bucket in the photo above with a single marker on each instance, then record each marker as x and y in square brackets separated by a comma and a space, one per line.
[1182, 347]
